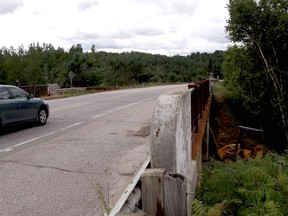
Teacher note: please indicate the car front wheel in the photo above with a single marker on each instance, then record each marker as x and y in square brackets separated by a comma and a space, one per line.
[42, 116]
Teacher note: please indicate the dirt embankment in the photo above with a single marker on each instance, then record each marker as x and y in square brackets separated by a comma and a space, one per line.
[223, 121]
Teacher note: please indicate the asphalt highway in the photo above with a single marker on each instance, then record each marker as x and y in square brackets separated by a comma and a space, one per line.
[82, 160]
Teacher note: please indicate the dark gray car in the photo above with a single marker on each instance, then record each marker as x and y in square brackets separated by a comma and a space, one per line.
[17, 106]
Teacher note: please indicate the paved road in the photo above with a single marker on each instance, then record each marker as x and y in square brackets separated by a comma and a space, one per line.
[82, 159]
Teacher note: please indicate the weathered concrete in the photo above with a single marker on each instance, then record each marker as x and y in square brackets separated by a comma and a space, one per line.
[53, 89]
[175, 149]
[173, 146]
[171, 133]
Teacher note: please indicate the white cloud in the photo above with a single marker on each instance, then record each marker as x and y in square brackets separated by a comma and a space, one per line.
[9, 6]
[155, 26]
[84, 5]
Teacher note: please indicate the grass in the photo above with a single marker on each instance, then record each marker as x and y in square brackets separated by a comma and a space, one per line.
[220, 93]
[102, 191]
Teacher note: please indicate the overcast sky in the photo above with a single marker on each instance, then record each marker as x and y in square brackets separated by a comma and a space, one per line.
[167, 27]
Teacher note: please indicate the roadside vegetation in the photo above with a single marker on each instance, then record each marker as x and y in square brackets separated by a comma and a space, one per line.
[225, 116]
[254, 93]
[254, 187]
[256, 70]
[245, 187]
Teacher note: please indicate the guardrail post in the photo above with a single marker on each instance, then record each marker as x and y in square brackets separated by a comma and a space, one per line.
[163, 193]
[200, 101]
[194, 107]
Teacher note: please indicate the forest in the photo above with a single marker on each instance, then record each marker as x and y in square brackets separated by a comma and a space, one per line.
[43, 64]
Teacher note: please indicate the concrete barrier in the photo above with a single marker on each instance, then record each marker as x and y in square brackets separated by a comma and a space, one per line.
[53, 89]
[171, 133]
[176, 148]
[171, 144]
[173, 141]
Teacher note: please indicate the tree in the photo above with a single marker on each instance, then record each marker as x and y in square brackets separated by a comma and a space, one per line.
[261, 27]
[43, 63]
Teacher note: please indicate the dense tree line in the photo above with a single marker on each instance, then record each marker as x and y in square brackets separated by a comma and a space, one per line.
[257, 68]
[42, 64]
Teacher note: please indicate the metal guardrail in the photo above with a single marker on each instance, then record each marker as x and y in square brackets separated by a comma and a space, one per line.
[71, 90]
[199, 98]
[36, 90]
[54, 89]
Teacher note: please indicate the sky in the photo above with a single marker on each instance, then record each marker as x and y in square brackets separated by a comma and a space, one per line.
[168, 27]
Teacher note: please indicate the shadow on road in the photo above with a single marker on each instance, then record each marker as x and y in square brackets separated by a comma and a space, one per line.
[14, 128]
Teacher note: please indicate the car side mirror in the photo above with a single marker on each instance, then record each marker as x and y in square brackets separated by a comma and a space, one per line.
[30, 96]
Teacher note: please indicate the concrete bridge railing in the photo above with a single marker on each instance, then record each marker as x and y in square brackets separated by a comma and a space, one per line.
[179, 142]
[180, 133]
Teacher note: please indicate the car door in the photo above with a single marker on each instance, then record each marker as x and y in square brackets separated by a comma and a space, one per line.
[30, 107]
[24, 108]
[8, 107]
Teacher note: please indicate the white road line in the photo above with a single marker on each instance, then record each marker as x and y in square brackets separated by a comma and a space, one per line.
[37, 138]
[99, 115]
[123, 107]
[6, 150]
[73, 125]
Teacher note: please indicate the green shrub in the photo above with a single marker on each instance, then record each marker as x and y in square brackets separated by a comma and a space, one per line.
[253, 187]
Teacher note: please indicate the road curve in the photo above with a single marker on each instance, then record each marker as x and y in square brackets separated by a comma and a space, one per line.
[81, 161]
